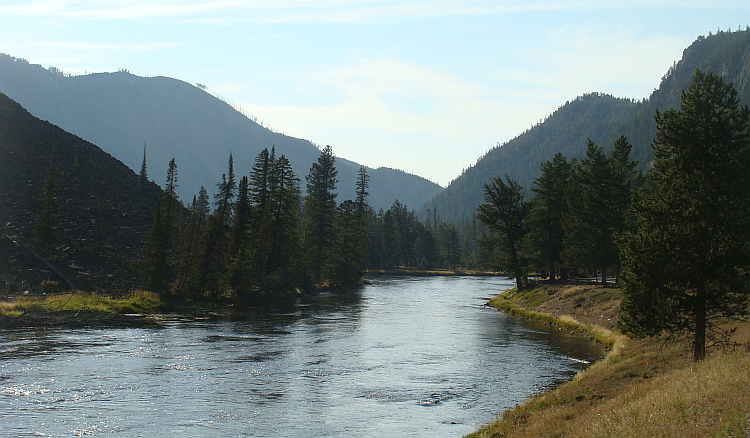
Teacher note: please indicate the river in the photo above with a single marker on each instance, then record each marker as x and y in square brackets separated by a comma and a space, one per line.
[400, 357]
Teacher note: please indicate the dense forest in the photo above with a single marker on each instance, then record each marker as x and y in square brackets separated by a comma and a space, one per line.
[679, 237]
[598, 117]
[260, 241]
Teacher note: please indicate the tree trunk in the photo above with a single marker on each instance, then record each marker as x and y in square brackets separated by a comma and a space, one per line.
[699, 341]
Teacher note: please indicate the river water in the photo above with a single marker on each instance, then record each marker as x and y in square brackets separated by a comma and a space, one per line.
[400, 357]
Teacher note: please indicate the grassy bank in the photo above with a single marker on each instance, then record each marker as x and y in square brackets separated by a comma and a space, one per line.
[83, 309]
[641, 389]
[136, 302]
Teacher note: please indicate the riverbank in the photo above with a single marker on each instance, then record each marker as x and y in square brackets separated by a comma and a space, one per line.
[79, 310]
[642, 388]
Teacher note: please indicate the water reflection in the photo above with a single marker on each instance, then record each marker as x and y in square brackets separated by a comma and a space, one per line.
[400, 357]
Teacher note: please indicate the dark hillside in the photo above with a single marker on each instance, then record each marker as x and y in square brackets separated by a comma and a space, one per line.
[120, 111]
[103, 214]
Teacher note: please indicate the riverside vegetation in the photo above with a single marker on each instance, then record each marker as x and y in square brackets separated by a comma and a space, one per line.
[644, 387]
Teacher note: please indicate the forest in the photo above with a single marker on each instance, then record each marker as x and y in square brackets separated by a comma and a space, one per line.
[260, 241]
[676, 240]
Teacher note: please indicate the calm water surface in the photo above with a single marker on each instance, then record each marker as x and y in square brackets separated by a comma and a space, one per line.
[400, 357]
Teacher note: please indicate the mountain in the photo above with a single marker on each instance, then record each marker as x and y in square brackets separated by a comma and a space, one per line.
[120, 112]
[600, 117]
[103, 213]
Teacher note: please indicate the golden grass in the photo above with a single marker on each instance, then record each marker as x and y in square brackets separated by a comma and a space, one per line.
[641, 389]
[136, 302]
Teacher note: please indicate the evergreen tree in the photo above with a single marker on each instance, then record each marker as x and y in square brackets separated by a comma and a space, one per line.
[504, 211]
[687, 263]
[283, 263]
[598, 203]
[215, 256]
[320, 209]
[160, 255]
[143, 175]
[192, 245]
[46, 225]
[155, 262]
[261, 218]
[239, 250]
[548, 208]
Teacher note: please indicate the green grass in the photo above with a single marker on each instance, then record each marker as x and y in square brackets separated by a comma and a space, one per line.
[137, 302]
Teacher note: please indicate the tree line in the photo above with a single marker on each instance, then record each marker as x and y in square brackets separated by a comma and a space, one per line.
[679, 238]
[570, 226]
[260, 241]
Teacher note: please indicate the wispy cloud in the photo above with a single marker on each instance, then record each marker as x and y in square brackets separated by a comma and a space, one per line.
[303, 11]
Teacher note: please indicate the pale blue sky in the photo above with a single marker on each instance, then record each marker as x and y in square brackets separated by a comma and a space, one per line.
[422, 86]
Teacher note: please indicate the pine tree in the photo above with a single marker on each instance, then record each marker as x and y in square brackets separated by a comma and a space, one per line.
[143, 175]
[599, 199]
[160, 255]
[688, 262]
[504, 211]
[320, 209]
[548, 208]
[192, 246]
[46, 225]
[214, 261]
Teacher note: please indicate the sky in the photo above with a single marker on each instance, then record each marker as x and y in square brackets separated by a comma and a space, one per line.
[425, 86]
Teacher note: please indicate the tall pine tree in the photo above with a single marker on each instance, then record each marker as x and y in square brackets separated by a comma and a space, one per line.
[320, 210]
[688, 262]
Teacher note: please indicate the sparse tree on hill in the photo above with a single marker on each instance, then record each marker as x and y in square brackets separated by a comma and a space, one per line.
[46, 225]
[143, 175]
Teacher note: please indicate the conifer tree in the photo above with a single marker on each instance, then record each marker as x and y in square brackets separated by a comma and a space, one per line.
[160, 254]
[598, 200]
[192, 245]
[46, 225]
[143, 175]
[320, 209]
[688, 262]
[549, 206]
[214, 261]
[504, 211]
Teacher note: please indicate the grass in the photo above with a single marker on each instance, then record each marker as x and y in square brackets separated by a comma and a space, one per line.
[137, 302]
[642, 388]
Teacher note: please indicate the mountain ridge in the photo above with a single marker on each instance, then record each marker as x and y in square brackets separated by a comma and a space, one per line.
[599, 117]
[121, 111]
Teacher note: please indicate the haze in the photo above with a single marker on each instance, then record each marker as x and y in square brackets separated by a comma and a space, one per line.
[422, 86]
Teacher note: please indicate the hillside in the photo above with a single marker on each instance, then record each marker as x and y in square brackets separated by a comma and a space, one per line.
[600, 117]
[103, 214]
[120, 111]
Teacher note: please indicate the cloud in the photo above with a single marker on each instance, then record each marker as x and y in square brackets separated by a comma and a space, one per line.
[304, 11]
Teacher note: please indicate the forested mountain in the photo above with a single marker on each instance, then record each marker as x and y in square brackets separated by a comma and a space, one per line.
[100, 214]
[601, 118]
[120, 112]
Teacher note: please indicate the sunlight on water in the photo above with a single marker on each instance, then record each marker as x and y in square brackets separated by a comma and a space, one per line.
[401, 357]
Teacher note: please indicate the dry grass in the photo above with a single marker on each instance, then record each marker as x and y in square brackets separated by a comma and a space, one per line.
[641, 389]
[136, 302]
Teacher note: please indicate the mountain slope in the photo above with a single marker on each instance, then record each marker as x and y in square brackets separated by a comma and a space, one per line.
[601, 118]
[103, 216]
[120, 111]
[591, 116]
